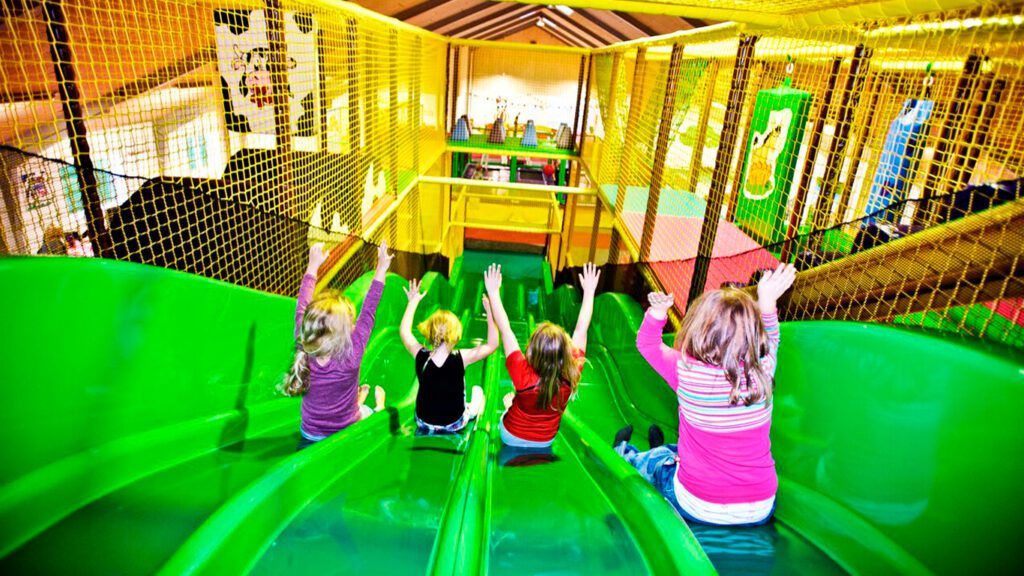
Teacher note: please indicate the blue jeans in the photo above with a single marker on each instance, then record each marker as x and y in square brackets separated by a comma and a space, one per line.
[658, 466]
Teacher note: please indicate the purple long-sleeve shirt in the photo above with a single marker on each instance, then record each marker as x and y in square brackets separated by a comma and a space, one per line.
[330, 404]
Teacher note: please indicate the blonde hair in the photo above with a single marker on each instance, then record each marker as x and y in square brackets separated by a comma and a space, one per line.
[326, 331]
[442, 327]
[550, 353]
[724, 328]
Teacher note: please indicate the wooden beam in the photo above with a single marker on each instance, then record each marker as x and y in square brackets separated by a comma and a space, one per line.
[848, 104]
[417, 9]
[514, 26]
[723, 163]
[519, 28]
[574, 23]
[483, 31]
[693, 22]
[489, 21]
[506, 29]
[604, 25]
[635, 23]
[805, 177]
[566, 37]
[891, 8]
[572, 28]
[660, 151]
[63, 59]
[475, 11]
[278, 68]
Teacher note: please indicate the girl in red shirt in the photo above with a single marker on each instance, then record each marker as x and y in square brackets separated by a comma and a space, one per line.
[546, 377]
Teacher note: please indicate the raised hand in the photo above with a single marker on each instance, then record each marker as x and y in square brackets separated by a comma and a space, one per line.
[660, 303]
[774, 284]
[588, 281]
[487, 306]
[383, 260]
[413, 292]
[589, 278]
[492, 278]
[317, 257]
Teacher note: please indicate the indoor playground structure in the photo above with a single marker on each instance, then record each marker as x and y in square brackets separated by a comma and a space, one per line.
[166, 165]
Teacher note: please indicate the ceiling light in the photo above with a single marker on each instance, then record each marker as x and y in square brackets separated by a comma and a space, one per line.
[540, 22]
[563, 9]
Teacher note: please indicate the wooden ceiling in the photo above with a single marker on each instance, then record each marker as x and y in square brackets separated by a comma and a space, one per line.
[529, 23]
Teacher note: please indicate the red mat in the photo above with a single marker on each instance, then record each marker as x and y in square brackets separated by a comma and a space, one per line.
[1009, 309]
[528, 238]
[677, 237]
[735, 256]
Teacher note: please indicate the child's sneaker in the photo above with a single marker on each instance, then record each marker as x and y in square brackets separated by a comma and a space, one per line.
[655, 437]
[623, 436]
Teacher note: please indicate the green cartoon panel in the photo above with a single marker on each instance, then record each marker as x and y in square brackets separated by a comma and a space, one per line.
[775, 135]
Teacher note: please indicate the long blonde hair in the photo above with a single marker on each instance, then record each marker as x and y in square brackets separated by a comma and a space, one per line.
[326, 331]
[442, 327]
[724, 328]
[550, 353]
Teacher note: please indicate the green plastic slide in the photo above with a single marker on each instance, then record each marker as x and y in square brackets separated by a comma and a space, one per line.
[144, 434]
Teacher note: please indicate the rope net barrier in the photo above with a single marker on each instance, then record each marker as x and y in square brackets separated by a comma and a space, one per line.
[882, 156]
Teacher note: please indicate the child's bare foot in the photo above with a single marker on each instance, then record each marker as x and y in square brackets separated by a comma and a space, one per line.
[379, 397]
[364, 392]
[476, 402]
[508, 399]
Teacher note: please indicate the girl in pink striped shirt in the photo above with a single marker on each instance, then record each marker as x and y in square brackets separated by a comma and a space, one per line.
[722, 369]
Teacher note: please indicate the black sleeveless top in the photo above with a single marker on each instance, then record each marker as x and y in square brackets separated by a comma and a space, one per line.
[441, 398]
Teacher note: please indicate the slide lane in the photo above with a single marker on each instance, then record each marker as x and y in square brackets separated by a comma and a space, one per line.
[382, 515]
[367, 498]
[606, 405]
[568, 509]
[384, 512]
[148, 424]
[174, 483]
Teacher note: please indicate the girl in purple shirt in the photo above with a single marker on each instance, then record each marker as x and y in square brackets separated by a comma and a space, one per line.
[329, 349]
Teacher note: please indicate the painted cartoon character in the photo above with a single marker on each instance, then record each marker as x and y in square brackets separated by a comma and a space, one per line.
[764, 155]
[900, 155]
[36, 193]
[761, 170]
[255, 83]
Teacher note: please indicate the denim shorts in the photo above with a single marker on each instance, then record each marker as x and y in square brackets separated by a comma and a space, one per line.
[658, 466]
[517, 442]
[426, 428]
[310, 437]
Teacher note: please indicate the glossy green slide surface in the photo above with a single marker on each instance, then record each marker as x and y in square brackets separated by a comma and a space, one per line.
[143, 434]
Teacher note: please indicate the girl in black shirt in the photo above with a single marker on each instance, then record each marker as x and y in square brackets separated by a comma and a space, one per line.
[441, 406]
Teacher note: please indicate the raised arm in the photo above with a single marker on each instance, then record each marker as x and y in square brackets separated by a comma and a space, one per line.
[662, 358]
[317, 256]
[405, 329]
[484, 350]
[588, 280]
[492, 281]
[364, 324]
[773, 285]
